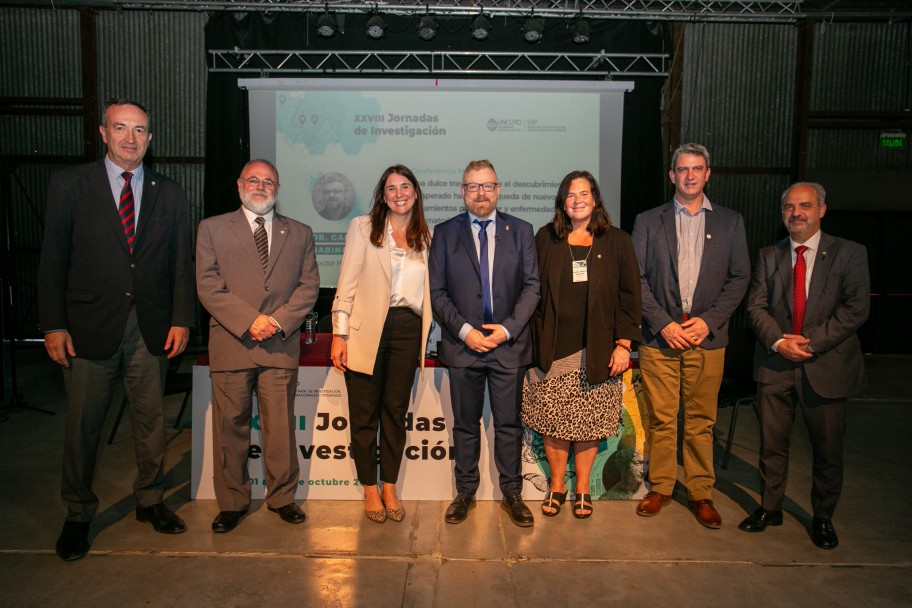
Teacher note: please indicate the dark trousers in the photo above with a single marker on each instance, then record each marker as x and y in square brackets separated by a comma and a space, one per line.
[90, 386]
[825, 421]
[232, 409]
[381, 400]
[467, 387]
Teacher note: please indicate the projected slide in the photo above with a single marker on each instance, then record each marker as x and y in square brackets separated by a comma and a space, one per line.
[331, 140]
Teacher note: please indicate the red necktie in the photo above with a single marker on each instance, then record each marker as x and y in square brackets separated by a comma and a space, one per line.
[127, 213]
[800, 299]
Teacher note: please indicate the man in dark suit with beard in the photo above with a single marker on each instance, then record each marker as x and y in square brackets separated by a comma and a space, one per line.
[115, 293]
[484, 288]
[808, 296]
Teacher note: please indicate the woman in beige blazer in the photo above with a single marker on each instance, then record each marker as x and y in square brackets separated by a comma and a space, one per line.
[381, 319]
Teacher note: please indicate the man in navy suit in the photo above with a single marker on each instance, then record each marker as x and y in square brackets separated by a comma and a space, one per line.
[484, 289]
[814, 360]
[115, 297]
[694, 270]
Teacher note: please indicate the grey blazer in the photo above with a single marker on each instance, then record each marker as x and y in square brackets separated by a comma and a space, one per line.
[838, 303]
[234, 289]
[722, 282]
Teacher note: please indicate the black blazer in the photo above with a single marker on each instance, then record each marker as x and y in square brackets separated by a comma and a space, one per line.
[838, 303]
[87, 278]
[613, 305]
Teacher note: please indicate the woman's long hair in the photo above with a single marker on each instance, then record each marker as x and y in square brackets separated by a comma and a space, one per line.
[600, 221]
[418, 235]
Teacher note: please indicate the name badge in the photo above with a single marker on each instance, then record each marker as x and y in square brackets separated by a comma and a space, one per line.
[580, 271]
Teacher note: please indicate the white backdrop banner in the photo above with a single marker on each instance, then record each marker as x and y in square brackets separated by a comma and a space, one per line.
[328, 472]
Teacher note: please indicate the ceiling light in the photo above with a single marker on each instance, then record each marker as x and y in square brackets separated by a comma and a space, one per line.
[481, 28]
[326, 25]
[427, 28]
[376, 27]
[532, 30]
[579, 29]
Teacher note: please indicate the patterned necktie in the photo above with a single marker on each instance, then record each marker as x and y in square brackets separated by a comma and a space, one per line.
[483, 266]
[798, 296]
[262, 243]
[127, 211]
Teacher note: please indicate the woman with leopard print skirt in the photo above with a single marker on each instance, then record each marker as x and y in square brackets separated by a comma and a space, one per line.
[585, 325]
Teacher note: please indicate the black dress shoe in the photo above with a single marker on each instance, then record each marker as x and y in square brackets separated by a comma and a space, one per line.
[459, 508]
[518, 511]
[226, 521]
[290, 513]
[163, 519]
[824, 534]
[760, 519]
[74, 541]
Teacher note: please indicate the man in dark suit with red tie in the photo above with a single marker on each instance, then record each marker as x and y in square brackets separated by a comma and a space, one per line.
[484, 288]
[808, 296]
[116, 298]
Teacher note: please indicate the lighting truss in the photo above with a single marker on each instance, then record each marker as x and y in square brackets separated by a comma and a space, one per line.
[438, 63]
[680, 10]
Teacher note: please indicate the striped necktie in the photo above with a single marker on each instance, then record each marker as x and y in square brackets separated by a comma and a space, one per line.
[262, 243]
[127, 210]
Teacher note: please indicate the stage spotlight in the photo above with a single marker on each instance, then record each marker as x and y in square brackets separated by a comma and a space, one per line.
[481, 28]
[326, 25]
[376, 27]
[427, 28]
[532, 30]
[579, 30]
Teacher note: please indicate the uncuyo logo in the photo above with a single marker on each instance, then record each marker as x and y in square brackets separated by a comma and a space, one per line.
[492, 124]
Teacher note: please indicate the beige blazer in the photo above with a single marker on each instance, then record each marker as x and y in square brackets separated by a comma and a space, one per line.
[364, 293]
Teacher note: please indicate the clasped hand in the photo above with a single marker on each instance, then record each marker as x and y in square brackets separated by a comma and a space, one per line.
[263, 328]
[682, 336]
[480, 343]
[794, 348]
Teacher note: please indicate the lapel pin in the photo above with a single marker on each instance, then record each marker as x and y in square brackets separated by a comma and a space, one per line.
[599, 256]
[506, 227]
[152, 183]
[709, 236]
[282, 231]
[823, 254]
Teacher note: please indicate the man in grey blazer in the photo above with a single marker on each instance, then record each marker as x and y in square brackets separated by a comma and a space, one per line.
[115, 297]
[484, 288]
[808, 296]
[256, 274]
[694, 270]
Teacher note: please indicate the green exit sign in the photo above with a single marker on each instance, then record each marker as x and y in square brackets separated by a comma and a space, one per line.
[896, 141]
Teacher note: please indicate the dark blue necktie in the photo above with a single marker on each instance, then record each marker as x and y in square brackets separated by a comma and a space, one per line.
[483, 266]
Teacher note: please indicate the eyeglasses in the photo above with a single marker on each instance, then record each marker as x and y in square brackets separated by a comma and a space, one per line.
[256, 181]
[474, 186]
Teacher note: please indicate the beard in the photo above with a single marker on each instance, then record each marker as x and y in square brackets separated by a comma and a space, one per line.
[258, 208]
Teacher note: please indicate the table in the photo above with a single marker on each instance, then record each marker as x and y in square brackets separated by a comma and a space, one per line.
[328, 473]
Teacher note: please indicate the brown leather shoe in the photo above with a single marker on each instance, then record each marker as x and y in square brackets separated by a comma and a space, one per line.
[706, 513]
[652, 504]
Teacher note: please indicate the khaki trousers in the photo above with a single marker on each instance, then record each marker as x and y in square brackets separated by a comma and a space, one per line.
[671, 378]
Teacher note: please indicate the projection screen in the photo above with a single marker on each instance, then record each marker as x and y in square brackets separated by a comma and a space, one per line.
[332, 138]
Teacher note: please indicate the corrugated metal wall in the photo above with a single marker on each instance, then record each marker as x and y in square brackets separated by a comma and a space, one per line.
[738, 97]
[860, 67]
[738, 100]
[155, 57]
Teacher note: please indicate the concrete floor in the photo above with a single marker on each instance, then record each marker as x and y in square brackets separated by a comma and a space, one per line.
[338, 558]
